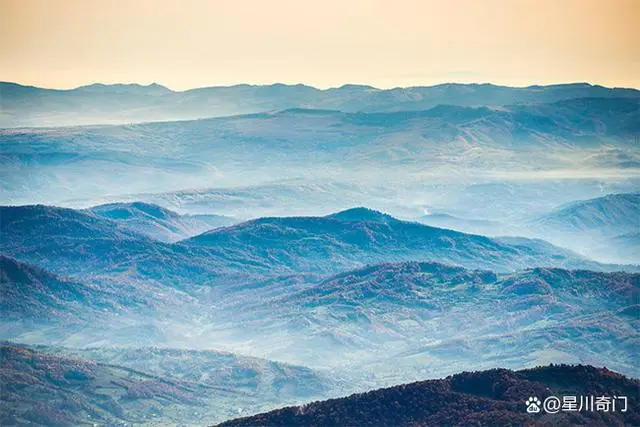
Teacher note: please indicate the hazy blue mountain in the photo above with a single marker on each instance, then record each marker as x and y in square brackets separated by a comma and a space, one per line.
[426, 319]
[261, 281]
[295, 198]
[39, 306]
[612, 214]
[80, 243]
[153, 89]
[449, 144]
[506, 205]
[360, 236]
[99, 103]
[76, 242]
[58, 386]
[141, 296]
[490, 398]
[73, 242]
[605, 228]
[157, 222]
[361, 214]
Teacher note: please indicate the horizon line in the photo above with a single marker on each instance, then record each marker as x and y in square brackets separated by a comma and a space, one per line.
[362, 85]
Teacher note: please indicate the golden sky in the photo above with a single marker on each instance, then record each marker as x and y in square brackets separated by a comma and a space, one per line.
[386, 43]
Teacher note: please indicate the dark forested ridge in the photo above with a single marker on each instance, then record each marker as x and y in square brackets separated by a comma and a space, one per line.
[493, 397]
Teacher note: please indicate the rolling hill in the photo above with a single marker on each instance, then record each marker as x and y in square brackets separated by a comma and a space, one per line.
[605, 228]
[157, 222]
[360, 236]
[303, 290]
[49, 390]
[143, 300]
[68, 241]
[405, 319]
[614, 214]
[57, 386]
[79, 243]
[262, 379]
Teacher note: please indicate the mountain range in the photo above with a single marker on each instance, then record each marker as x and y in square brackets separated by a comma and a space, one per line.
[406, 319]
[193, 257]
[295, 289]
[80, 243]
[125, 103]
[450, 146]
[292, 265]
[360, 235]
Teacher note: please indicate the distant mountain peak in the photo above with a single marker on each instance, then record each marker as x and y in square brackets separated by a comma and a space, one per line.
[617, 212]
[157, 222]
[146, 208]
[307, 111]
[352, 86]
[152, 89]
[361, 213]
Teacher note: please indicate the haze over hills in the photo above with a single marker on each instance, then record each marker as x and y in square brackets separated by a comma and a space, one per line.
[80, 243]
[393, 311]
[612, 214]
[57, 237]
[604, 228]
[480, 226]
[247, 270]
[126, 103]
[193, 271]
[432, 319]
[257, 378]
[52, 390]
[212, 288]
[405, 154]
[345, 239]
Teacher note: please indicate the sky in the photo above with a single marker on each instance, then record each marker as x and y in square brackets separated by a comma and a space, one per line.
[324, 43]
